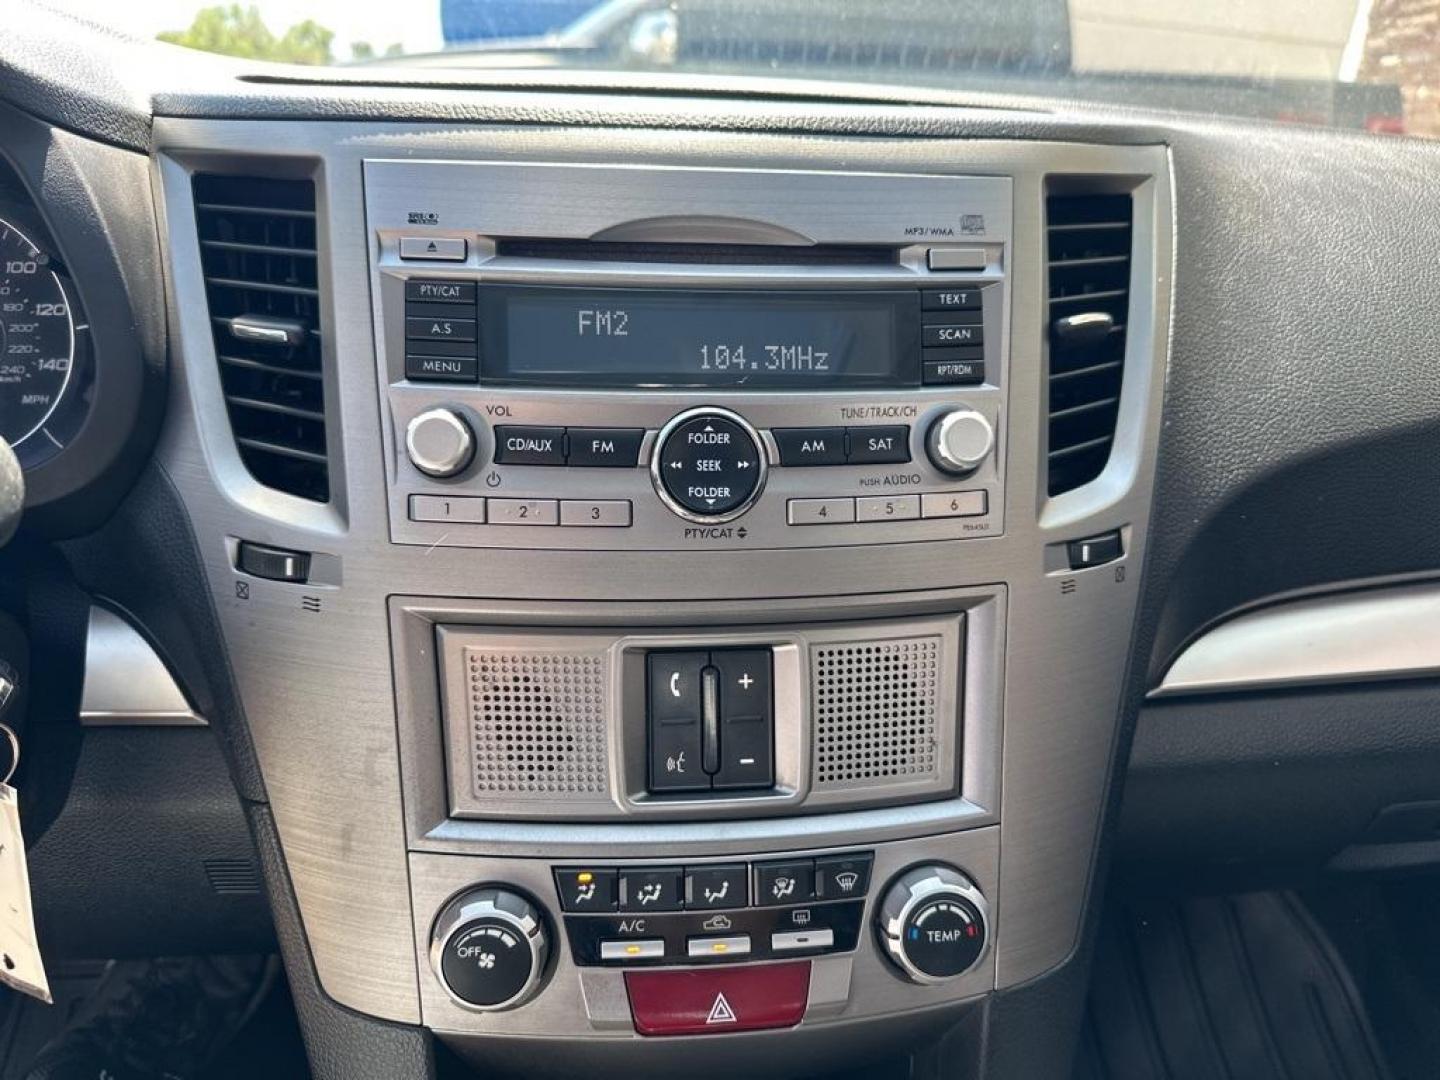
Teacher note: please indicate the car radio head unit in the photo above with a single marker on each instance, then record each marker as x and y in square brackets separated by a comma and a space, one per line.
[596, 357]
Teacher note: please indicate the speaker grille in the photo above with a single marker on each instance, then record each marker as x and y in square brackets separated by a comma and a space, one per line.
[537, 723]
[876, 712]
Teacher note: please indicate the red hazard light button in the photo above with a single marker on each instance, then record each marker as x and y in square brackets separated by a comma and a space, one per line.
[717, 1000]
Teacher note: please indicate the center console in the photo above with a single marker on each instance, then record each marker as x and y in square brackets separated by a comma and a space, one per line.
[730, 638]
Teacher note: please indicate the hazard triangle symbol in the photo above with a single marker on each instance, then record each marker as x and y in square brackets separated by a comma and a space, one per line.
[721, 1012]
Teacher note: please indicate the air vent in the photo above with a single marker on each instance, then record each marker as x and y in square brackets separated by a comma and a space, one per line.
[1088, 238]
[257, 241]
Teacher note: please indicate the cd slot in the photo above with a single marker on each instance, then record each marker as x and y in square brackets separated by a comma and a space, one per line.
[600, 251]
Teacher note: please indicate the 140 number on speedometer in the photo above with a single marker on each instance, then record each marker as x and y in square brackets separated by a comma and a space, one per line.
[37, 338]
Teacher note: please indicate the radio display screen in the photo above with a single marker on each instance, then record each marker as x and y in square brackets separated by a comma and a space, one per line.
[750, 339]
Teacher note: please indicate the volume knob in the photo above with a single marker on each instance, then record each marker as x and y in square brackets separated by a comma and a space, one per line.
[440, 442]
[489, 949]
[960, 441]
[933, 924]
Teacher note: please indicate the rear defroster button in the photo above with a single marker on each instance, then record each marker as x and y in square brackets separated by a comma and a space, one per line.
[709, 466]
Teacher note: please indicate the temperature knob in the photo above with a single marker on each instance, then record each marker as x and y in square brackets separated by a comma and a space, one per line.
[960, 441]
[933, 924]
[440, 442]
[489, 949]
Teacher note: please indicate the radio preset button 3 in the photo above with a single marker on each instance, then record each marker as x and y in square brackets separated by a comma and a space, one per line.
[708, 465]
[595, 513]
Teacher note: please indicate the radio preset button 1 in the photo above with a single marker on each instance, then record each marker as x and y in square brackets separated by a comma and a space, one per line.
[810, 446]
[469, 509]
[709, 465]
[891, 508]
[605, 448]
[839, 511]
[523, 445]
[886, 445]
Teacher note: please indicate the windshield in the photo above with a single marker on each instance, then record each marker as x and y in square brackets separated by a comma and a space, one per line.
[1363, 64]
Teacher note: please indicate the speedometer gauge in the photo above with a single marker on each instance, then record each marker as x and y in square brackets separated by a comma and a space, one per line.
[37, 340]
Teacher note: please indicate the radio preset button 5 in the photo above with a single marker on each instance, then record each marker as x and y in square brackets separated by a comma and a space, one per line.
[708, 465]
[888, 508]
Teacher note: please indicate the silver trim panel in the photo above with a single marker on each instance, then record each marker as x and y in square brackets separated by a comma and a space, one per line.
[1388, 633]
[126, 683]
[337, 743]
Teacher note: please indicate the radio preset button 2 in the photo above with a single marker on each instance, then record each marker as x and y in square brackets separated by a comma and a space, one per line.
[708, 465]
[524, 512]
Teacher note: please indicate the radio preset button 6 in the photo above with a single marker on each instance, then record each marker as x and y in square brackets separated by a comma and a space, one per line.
[708, 465]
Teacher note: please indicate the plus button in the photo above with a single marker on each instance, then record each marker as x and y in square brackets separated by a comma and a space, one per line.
[746, 681]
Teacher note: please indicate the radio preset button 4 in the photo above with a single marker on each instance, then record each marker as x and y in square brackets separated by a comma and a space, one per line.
[709, 466]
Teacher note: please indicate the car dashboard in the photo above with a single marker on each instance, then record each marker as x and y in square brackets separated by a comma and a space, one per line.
[675, 577]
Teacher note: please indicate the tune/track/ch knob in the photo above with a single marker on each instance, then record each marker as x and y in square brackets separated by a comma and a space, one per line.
[489, 949]
[933, 924]
[960, 441]
[440, 442]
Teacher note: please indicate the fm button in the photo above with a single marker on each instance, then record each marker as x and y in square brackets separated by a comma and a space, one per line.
[708, 466]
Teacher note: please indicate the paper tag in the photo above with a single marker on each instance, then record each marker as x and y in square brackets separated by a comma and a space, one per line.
[20, 963]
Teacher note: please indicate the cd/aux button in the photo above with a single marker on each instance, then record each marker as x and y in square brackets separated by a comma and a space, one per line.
[521, 445]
